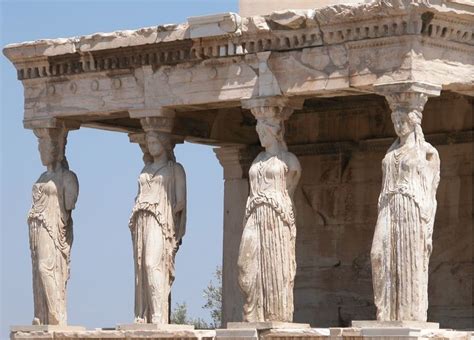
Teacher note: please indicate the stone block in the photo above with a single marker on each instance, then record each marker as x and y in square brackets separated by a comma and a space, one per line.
[395, 324]
[266, 325]
[154, 327]
[236, 334]
[214, 25]
[290, 333]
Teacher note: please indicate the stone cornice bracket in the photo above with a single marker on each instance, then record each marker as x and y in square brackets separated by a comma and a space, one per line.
[51, 123]
[407, 96]
[279, 107]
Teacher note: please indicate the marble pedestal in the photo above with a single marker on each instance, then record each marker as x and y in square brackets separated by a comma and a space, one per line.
[257, 330]
[375, 330]
[393, 328]
[395, 324]
[42, 332]
[154, 327]
[178, 333]
[266, 325]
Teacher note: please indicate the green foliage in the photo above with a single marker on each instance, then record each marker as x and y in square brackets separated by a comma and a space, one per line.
[179, 315]
[213, 295]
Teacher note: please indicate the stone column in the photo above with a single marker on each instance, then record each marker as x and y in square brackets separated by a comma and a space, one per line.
[158, 221]
[266, 259]
[50, 223]
[402, 241]
[235, 161]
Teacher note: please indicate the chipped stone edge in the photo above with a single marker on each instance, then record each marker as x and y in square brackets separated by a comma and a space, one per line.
[329, 15]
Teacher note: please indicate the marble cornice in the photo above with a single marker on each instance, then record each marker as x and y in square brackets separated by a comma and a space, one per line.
[228, 35]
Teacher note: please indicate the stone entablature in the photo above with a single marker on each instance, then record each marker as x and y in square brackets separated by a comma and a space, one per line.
[202, 81]
[228, 35]
[215, 61]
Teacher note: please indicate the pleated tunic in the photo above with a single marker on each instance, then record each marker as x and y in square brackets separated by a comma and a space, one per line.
[152, 225]
[403, 235]
[50, 232]
[266, 261]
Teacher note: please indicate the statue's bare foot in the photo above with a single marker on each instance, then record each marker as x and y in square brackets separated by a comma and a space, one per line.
[139, 320]
[36, 322]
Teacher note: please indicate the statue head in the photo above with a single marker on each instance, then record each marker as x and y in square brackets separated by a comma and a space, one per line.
[159, 144]
[407, 123]
[49, 151]
[270, 131]
[51, 145]
[147, 157]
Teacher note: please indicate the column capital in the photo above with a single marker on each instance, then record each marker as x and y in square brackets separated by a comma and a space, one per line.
[236, 160]
[160, 124]
[152, 112]
[279, 107]
[407, 95]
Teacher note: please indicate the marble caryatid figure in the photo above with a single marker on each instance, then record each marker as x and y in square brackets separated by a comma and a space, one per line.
[402, 241]
[157, 225]
[50, 225]
[266, 262]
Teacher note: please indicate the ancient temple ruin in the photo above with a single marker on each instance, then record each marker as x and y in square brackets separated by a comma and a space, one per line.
[339, 72]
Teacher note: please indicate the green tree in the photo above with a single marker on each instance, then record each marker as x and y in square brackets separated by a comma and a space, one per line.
[179, 315]
[213, 295]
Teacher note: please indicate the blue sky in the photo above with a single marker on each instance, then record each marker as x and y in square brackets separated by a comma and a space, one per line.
[100, 291]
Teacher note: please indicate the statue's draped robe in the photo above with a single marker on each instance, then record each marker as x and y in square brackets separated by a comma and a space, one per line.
[403, 235]
[156, 233]
[50, 229]
[266, 261]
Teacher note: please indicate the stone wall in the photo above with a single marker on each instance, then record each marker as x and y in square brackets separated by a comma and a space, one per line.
[340, 143]
[337, 211]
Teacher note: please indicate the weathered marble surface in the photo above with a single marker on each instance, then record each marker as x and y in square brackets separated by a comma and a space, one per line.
[50, 228]
[266, 261]
[266, 325]
[157, 225]
[250, 334]
[402, 243]
[154, 327]
[249, 8]
[110, 81]
[395, 324]
[336, 206]
[100, 334]
[331, 51]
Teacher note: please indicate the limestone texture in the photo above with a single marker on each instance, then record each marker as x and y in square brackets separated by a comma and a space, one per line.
[157, 225]
[402, 243]
[50, 229]
[267, 263]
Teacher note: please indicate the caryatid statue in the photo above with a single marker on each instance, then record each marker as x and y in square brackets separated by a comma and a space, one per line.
[266, 262]
[50, 227]
[157, 225]
[402, 241]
